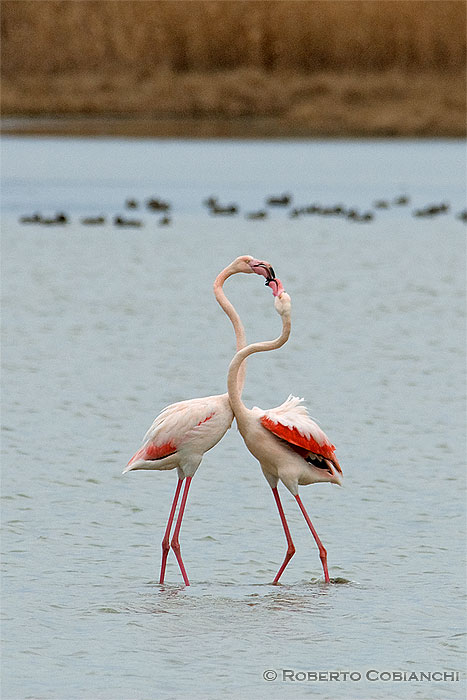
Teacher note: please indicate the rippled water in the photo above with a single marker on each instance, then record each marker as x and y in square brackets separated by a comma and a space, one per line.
[103, 327]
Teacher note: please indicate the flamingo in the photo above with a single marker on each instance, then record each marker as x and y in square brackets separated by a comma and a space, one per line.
[288, 444]
[184, 431]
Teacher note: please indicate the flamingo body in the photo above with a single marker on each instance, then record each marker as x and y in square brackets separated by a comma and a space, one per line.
[291, 423]
[182, 433]
[287, 443]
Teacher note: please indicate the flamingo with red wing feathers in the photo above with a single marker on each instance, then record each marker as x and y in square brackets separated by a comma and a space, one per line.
[288, 444]
[184, 431]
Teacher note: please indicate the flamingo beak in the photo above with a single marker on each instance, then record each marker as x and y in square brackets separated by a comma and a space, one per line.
[336, 479]
[276, 286]
[336, 472]
[263, 268]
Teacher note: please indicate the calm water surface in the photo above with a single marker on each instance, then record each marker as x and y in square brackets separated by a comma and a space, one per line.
[104, 327]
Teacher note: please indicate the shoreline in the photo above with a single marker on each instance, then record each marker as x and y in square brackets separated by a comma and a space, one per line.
[238, 104]
[130, 126]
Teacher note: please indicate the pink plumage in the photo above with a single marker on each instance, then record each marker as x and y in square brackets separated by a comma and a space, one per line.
[184, 431]
[291, 423]
[288, 444]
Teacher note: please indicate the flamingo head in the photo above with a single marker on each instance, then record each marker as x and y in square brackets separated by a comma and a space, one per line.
[325, 469]
[248, 264]
[282, 301]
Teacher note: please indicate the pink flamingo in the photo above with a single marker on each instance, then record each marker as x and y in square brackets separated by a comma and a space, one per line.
[184, 431]
[288, 444]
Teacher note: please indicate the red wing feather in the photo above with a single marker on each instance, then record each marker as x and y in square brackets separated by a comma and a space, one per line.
[205, 419]
[150, 451]
[294, 437]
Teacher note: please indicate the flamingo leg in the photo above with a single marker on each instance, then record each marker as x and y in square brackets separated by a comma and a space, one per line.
[322, 552]
[165, 541]
[175, 543]
[290, 549]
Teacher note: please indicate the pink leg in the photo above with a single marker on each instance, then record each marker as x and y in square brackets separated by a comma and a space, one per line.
[322, 552]
[175, 543]
[290, 549]
[165, 541]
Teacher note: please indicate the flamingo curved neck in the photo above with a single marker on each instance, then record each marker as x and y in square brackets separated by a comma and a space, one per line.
[231, 312]
[233, 382]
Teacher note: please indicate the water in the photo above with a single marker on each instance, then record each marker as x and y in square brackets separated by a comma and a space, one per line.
[103, 327]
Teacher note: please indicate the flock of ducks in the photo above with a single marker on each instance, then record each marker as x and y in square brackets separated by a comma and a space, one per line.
[216, 208]
[153, 205]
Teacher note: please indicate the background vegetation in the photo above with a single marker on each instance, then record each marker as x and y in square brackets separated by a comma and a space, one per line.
[331, 66]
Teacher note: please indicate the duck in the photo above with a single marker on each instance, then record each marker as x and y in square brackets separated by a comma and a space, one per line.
[33, 219]
[120, 221]
[332, 211]
[59, 218]
[157, 204]
[282, 200]
[210, 202]
[228, 209]
[261, 214]
[296, 212]
[93, 220]
[432, 210]
[401, 201]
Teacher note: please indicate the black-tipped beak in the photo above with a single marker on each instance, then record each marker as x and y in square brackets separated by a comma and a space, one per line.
[264, 269]
[276, 286]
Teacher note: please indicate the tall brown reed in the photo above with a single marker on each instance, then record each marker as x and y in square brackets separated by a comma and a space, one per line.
[53, 36]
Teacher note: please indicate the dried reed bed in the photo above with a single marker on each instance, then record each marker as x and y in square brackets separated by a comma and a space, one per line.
[47, 36]
[357, 66]
[387, 104]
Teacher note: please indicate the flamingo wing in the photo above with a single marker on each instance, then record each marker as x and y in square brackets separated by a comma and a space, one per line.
[290, 422]
[199, 423]
[177, 421]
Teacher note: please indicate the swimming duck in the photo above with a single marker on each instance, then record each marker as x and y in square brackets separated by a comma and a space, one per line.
[157, 204]
[228, 209]
[401, 201]
[93, 220]
[282, 200]
[59, 218]
[120, 221]
[261, 214]
[33, 219]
